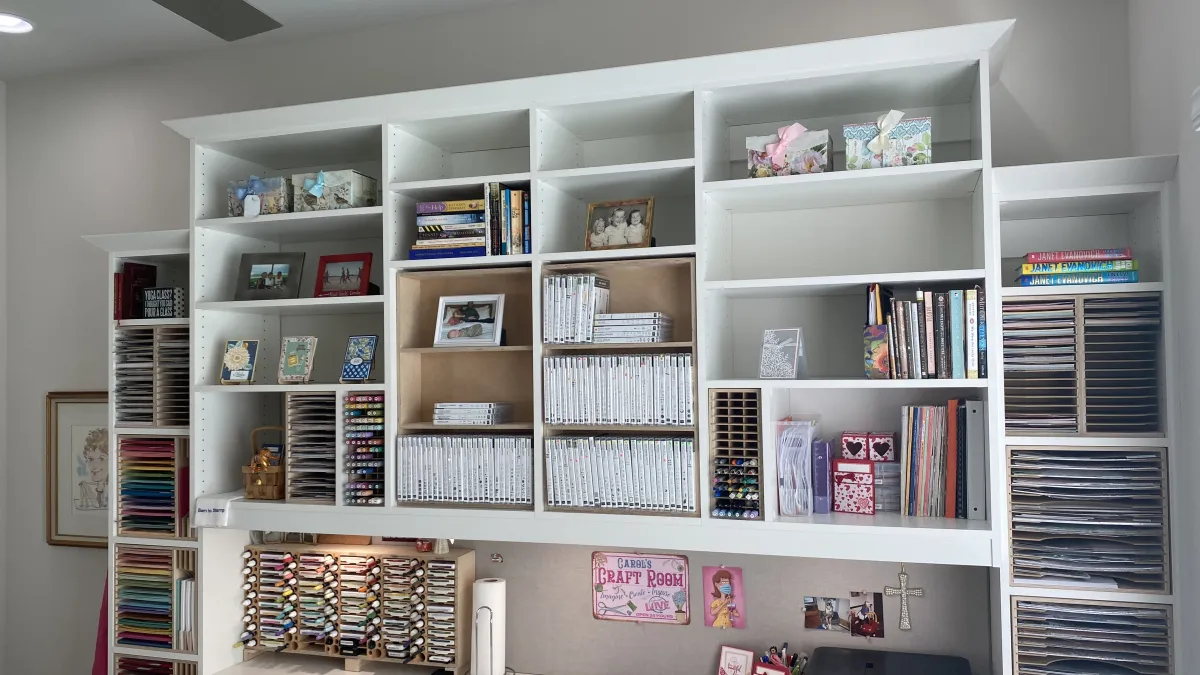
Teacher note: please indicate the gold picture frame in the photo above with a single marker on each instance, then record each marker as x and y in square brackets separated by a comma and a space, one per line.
[602, 233]
[78, 469]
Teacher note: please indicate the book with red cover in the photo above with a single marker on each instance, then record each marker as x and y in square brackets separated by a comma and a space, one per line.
[134, 278]
[1080, 255]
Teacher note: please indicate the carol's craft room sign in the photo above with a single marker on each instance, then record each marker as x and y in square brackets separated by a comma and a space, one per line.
[640, 587]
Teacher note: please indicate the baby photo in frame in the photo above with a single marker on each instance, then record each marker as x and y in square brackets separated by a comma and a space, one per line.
[469, 320]
[620, 224]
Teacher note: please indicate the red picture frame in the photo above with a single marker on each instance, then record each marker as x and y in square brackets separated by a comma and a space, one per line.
[349, 279]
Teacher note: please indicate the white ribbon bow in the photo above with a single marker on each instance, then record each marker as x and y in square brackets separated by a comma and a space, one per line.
[885, 123]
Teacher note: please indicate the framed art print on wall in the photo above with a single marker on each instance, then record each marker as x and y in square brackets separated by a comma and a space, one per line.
[77, 468]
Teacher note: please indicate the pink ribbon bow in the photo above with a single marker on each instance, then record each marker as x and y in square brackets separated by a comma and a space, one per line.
[776, 151]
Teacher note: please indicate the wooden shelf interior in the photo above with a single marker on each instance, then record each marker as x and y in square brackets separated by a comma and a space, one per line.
[418, 293]
[465, 377]
[664, 285]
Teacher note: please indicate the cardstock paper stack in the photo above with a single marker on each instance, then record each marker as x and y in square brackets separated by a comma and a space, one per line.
[1070, 638]
[358, 591]
[628, 389]
[471, 414]
[633, 327]
[312, 447]
[1089, 517]
[1121, 338]
[465, 469]
[134, 391]
[147, 480]
[1040, 384]
[172, 361]
[363, 431]
[570, 305]
[440, 610]
[129, 665]
[144, 577]
[401, 578]
[608, 472]
[185, 601]
[276, 601]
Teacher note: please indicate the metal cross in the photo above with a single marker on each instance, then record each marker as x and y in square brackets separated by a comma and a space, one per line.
[904, 592]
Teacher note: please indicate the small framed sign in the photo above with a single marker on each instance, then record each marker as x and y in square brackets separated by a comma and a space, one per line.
[163, 302]
[640, 587]
[735, 661]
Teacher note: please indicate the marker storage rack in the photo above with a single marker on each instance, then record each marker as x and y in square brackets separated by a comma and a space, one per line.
[363, 439]
[735, 420]
[378, 603]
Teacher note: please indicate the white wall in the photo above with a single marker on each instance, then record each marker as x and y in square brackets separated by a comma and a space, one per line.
[3, 346]
[1166, 70]
[93, 158]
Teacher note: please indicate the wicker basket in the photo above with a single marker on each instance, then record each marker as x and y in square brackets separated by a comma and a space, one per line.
[264, 485]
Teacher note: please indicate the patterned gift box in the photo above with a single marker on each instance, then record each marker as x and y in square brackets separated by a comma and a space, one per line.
[853, 486]
[905, 143]
[854, 445]
[275, 194]
[881, 447]
[325, 190]
[803, 152]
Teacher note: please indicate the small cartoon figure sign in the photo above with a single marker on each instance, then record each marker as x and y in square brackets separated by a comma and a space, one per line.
[725, 602]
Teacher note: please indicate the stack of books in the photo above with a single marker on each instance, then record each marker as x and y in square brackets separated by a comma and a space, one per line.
[942, 461]
[1068, 268]
[632, 327]
[471, 414]
[935, 336]
[499, 223]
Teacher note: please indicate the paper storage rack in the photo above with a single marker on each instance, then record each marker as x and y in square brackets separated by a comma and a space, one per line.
[1090, 518]
[137, 665]
[153, 492]
[375, 603]
[1095, 636]
[1083, 365]
[151, 376]
[155, 599]
[735, 442]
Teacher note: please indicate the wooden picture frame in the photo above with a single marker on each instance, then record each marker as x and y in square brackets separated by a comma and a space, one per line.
[78, 466]
[353, 275]
[604, 231]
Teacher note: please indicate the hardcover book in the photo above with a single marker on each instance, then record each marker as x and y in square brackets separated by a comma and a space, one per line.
[1073, 279]
[135, 277]
[1082, 254]
[1080, 266]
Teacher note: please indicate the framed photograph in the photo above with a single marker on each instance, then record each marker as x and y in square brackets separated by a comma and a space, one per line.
[360, 358]
[269, 276]
[734, 661]
[296, 359]
[469, 320]
[782, 354]
[620, 224]
[78, 489]
[240, 358]
[339, 275]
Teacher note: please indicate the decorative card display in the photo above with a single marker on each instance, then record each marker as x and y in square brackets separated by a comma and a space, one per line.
[724, 600]
[866, 614]
[853, 486]
[238, 365]
[782, 354]
[881, 447]
[641, 587]
[296, 359]
[889, 141]
[854, 445]
[793, 150]
[821, 613]
[734, 661]
[360, 357]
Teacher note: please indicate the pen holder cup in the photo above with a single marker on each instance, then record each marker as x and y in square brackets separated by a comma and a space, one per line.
[263, 482]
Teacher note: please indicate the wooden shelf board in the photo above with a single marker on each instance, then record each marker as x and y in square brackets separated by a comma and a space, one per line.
[359, 223]
[282, 388]
[849, 284]
[459, 350]
[622, 512]
[463, 263]
[464, 506]
[157, 654]
[163, 542]
[428, 190]
[618, 254]
[353, 304]
[1082, 289]
[430, 426]
[1015, 440]
[152, 431]
[618, 428]
[600, 183]
[846, 383]
[134, 323]
[618, 346]
[1025, 589]
[947, 180]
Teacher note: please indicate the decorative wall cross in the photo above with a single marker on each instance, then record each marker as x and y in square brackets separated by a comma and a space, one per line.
[904, 592]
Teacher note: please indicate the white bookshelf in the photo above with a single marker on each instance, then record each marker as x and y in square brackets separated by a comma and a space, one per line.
[768, 253]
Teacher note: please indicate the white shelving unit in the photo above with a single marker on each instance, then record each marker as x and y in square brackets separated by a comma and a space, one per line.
[769, 253]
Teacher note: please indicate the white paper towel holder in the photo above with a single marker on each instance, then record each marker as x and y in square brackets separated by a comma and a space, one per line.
[491, 634]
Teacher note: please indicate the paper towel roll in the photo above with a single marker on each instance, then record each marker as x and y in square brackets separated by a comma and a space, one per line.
[487, 631]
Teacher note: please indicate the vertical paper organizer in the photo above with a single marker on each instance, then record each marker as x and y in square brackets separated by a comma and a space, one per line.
[154, 598]
[152, 486]
[151, 376]
[311, 447]
[136, 665]
[378, 603]
[735, 423]
[1136, 637]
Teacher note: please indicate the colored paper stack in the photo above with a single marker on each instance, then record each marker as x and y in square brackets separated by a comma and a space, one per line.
[497, 224]
[143, 598]
[147, 485]
[1090, 266]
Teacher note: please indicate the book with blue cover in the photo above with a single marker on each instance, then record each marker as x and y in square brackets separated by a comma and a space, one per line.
[958, 358]
[1081, 266]
[1075, 279]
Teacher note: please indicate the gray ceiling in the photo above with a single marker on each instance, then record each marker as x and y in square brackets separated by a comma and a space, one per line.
[81, 33]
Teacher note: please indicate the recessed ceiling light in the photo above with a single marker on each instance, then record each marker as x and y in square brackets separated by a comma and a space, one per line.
[11, 23]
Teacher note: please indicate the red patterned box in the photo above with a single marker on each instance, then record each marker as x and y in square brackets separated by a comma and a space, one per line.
[853, 486]
[881, 447]
[854, 445]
